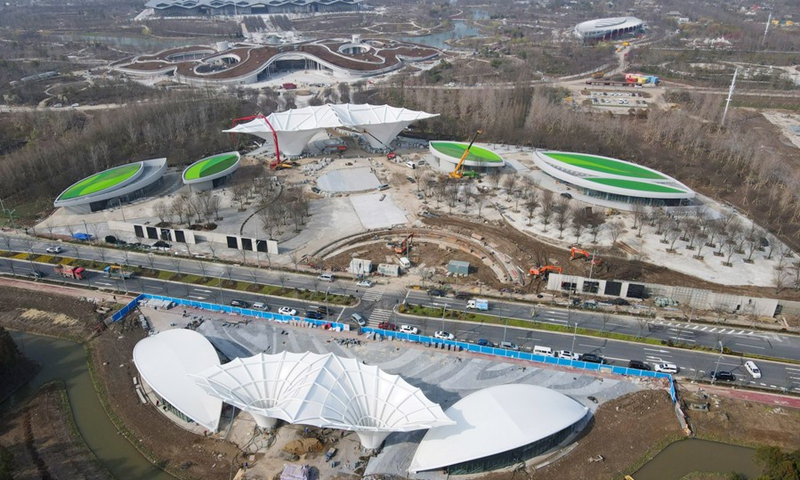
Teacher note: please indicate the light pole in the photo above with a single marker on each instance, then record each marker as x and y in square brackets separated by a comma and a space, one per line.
[444, 309]
[716, 369]
[505, 327]
[574, 335]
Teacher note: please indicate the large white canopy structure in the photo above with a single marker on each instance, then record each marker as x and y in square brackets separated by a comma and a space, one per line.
[323, 391]
[165, 362]
[380, 124]
[496, 420]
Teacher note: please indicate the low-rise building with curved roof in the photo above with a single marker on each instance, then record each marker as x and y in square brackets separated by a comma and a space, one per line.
[210, 172]
[479, 159]
[497, 427]
[608, 28]
[111, 187]
[611, 179]
[166, 360]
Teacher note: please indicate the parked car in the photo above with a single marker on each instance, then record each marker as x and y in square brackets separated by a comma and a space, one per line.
[485, 343]
[568, 355]
[409, 329]
[35, 275]
[287, 311]
[444, 335]
[260, 306]
[54, 249]
[462, 295]
[314, 315]
[364, 283]
[592, 358]
[509, 345]
[666, 368]
[722, 375]
[752, 369]
[325, 310]
[638, 365]
[566, 195]
[360, 320]
[387, 326]
[239, 303]
[435, 292]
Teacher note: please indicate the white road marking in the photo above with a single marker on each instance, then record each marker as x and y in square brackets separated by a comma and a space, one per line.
[196, 297]
[751, 346]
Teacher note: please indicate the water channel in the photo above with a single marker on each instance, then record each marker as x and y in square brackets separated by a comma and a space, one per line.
[65, 360]
[437, 40]
[693, 455]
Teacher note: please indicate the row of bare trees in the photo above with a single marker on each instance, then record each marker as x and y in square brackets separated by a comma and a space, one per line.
[202, 207]
[291, 207]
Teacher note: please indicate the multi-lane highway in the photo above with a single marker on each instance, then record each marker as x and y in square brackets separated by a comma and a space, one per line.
[378, 304]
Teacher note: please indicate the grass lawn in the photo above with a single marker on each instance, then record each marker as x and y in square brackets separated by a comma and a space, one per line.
[210, 166]
[101, 181]
[476, 154]
[605, 165]
[636, 186]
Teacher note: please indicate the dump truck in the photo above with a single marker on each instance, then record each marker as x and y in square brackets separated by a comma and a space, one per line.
[69, 271]
[116, 271]
[478, 304]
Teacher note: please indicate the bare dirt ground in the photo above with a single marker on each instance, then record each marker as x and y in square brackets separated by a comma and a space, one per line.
[40, 436]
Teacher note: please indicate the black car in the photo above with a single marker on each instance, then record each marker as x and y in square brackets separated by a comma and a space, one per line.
[566, 195]
[323, 310]
[639, 365]
[592, 358]
[435, 292]
[239, 303]
[462, 296]
[35, 275]
[722, 375]
[315, 315]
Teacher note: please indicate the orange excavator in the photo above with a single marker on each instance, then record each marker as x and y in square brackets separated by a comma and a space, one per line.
[577, 252]
[404, 247]
[544, 271]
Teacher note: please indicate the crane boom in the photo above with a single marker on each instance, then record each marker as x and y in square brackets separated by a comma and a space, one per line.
[457, 172]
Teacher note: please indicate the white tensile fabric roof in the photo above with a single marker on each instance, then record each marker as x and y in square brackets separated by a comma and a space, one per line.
[165, 362]
[323, 391]
[495, 420]
[295, 128]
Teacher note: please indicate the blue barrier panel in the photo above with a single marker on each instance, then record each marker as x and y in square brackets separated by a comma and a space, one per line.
[127, 308]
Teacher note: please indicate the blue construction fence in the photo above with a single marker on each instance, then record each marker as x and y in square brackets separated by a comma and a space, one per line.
[213, 307]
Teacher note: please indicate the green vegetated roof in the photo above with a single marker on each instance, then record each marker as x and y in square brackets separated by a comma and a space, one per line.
[101, 181]
[210, 166]
[476, 154]
[606, 165]
[634, 185]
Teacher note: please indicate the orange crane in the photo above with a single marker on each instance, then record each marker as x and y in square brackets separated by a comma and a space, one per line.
[543, 271]
[574, 252]
[404, 247]
[457, 172]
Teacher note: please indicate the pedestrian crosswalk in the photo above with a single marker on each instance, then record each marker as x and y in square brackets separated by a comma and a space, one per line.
[373, 295]
[704, 328]
[379, 315]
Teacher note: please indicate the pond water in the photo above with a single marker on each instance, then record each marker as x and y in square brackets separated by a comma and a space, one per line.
[437, 40]
[65, 360]
[693, 455]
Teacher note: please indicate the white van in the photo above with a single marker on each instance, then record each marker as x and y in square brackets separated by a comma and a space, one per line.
[411, 165]
[404, 262]
[752, 369]
[546, 351]
[325, 277]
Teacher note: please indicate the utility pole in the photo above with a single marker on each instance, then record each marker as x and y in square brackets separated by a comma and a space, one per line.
[444, 309]
[716, 369]
[730, 96]
[766, 29]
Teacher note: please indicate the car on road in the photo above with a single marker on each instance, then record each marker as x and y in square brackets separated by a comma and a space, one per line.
[287, 311]
[566, 195]
[387, 326]
[325, 277]
[364, 283]
[567, 354]
[666, 368]
[325, 310]
[462, 295]
[436, 292]
[54, 249]
[722, 375]
[35, 275]
[260, 306]
[359, 319]
[638, 365]
[509, 345]
[752, 369]
[485, 343]
[441, 334]
[409, 329]
[314, 315]
[239, 303]
[592, 358]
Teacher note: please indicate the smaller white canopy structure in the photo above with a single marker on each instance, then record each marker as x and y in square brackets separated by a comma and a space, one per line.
[165, 362]
[323, 391]
[380, 124]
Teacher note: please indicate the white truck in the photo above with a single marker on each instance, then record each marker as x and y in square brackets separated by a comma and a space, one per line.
[478, 304]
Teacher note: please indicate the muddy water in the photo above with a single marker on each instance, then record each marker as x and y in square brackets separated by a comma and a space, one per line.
[62, 359]
[692, 455]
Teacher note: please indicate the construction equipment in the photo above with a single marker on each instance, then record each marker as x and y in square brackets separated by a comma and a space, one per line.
[116, 271]
[275, 163]
[69, 271]
[457, 172]
[404, 247]
[544, 271]
[577, 252]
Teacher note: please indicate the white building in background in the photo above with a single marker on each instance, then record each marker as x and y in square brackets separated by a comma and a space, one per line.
[324, 391]
[378, 125]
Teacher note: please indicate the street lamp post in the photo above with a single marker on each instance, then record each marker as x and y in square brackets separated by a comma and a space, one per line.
[716, 369]
[505, 328]
[574, 335]
[444, 309]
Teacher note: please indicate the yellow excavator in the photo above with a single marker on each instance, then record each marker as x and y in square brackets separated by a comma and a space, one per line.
[457, 172]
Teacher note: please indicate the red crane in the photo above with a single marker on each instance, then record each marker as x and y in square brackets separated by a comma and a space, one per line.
[277, 161]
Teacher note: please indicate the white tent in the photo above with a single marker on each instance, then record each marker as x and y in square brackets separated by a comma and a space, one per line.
[380, 124]
[323, 391]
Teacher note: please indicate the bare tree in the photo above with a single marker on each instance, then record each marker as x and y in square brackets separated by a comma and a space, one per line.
[691, 229]
[282, 279]
[672, 236]
[531, 204]
[547, 209]
[563, 215]
[203, 268]
[580, 220]
[730, 247]
[509, 183]
[151, 261]
[161, 210]
[178, 207]
[639, 216]
[176, 262]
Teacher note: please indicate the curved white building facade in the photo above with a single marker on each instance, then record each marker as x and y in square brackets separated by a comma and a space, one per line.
[608, 28]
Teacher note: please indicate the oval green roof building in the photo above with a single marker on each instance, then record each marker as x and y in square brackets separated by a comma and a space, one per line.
[208, 172]
[101, 181]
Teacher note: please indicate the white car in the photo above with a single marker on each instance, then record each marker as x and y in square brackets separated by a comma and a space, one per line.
[54, 249]
[568, 355]
[261, 306]
[752, 369]
[444, 335]
[409, 329]
[364, 283]
[287, 311]
[666, 368]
